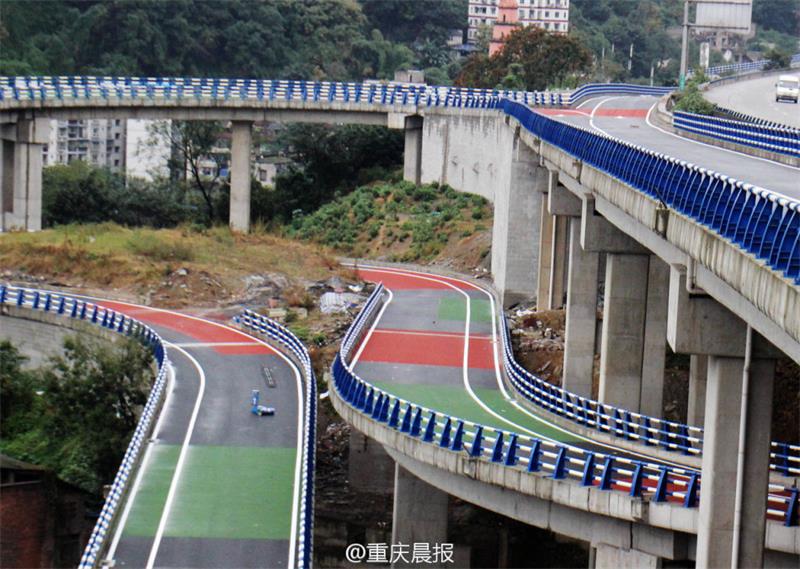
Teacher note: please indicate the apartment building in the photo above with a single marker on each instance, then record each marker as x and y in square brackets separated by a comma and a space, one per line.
[100, 142]
[550, 15]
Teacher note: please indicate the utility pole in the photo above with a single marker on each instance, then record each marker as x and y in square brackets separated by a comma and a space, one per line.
[684, 46]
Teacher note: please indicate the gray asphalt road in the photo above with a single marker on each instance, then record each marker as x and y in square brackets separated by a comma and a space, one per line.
[232, 503]
[757, 97]
[638, 130]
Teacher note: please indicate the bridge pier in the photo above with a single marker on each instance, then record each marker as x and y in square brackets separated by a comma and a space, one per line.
[738, 399]
[412, 150]
[698, 373]
[241, 140]
[514, 251]
[604, 556]
[633, 339]
[581, 321]
[21, 174]
[419, 514]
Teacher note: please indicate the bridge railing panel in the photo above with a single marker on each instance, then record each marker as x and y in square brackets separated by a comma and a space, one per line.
[278, 333]
[70, 307]
[537, 456]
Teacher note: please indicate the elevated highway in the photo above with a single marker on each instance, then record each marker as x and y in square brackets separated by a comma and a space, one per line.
[756, 97]
[693, 258]
[206, 483]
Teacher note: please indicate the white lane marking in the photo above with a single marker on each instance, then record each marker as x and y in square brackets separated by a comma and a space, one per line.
[513, 400]
[590, 99]
[594, 112]
[300, 404]
[212, 344]
[363, 345]
[712, 146]
[181, 459]
[434, 334]
[465, 364]
[143, 466]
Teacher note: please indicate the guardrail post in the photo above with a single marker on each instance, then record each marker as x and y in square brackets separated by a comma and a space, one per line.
[405, 427]
[376, 413]
[690, 499]
[430, 433]
[792, 510]
[477, 443]
[511, 456]
[444, 439]
[533, 460]
[588, 470]
[561, 461]
[393, 421]
[416, 425]
[497, 452]
[607, 480]
[636, 481]
[458, 438]
[661, 488]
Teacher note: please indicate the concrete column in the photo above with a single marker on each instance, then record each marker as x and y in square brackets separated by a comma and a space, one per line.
[622, 347]
[698, 372]
[21, 177]
[724, 421]
[412, 152]
[655, 338]
[515, 232]
[558, 254]
[545, 259]
[241, 140]
[613, 557]
[420, 510]
[581, 320]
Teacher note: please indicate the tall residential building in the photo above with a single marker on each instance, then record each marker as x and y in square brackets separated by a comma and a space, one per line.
[507, 19]
[550, 15]
[100, 142]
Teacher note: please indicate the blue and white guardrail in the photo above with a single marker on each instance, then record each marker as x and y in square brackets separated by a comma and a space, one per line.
[621, 423]
[541, 457]
[70, 307]
[779, 139]
[259, 324]
[76, 89]
[756, 220]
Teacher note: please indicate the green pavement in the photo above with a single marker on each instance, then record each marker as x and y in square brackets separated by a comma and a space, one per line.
[456, 402]
[152, 493]
[224, 492]
[456, 309]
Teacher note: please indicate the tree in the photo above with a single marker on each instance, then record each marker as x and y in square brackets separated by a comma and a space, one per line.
[779, 15]
[539, 60]
[192, 142]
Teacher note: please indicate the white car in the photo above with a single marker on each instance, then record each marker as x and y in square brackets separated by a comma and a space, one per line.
[787, 88]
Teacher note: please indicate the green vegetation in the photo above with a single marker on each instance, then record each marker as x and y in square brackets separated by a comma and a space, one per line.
[531, 59]
[141, 259]
[410, 222]
[76, 414]
[323, 39]
[691, 99]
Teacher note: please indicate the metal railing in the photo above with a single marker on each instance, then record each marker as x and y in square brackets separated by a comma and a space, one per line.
[538, 456]
[781, 139]
[758, 221]
[282, 335]
[70, 307]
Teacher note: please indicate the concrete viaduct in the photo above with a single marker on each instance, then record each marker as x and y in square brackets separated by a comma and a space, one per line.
[669, 278]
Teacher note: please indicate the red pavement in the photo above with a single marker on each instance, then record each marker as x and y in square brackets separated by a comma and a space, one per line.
[199, 330]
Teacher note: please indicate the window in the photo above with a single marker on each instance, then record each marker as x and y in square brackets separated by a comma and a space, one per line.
[116, 136]
[547, 14]
[116, 162]
[116, 122]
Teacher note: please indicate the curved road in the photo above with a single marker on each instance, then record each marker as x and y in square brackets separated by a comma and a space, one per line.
[756, 97]
[218, 486]
[630, 119]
